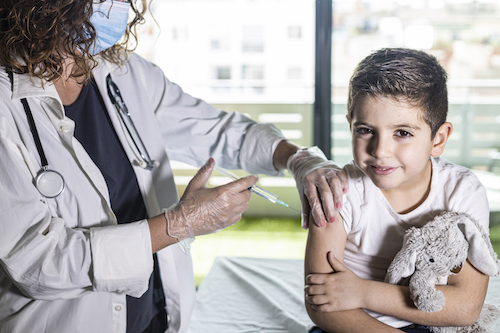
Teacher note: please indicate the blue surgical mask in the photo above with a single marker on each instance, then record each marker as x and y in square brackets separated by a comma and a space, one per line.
[110, 20]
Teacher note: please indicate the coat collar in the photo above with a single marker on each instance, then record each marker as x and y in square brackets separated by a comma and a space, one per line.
[24, 85]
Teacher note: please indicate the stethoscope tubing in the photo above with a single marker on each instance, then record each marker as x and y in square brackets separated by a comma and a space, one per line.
[122, 110]
[51, 183]
[34, 132]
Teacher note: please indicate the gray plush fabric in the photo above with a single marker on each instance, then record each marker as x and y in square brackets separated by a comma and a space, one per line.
[430, 254]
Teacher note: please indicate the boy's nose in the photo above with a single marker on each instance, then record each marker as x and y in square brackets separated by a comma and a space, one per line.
[380, 147]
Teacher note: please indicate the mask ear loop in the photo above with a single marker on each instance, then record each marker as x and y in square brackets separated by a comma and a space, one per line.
[48, 182]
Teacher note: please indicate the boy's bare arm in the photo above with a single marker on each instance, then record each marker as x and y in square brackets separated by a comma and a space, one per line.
[464, 293]
[332, 238]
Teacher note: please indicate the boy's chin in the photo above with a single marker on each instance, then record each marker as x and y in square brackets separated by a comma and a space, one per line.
[383, 184]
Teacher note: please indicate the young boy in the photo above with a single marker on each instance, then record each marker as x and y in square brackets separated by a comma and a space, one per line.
[397, 114]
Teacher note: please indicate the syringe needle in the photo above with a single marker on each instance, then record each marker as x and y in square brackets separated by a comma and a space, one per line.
[287, 205]
[256, 189]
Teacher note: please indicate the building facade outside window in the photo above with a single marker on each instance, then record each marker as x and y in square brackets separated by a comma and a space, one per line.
[257, 56]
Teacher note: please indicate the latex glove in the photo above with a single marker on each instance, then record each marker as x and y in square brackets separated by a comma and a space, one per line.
[203, 210]
[321, 184]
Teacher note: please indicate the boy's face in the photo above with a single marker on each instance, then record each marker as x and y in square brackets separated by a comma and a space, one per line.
[391, 143]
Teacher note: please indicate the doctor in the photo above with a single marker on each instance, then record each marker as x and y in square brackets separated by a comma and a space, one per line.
[90, 220]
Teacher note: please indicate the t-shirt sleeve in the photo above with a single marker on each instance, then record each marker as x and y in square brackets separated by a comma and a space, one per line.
[469, 196]
[352, 200]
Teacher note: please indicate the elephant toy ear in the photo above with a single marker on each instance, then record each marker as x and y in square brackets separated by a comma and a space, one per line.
[403, 264]
[481, 254]
[409, 267]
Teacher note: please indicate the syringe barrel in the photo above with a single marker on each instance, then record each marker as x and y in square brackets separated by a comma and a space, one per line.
[255, 189]
[263, 193]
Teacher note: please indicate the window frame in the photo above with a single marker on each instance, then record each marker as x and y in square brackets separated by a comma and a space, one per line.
[322, 122]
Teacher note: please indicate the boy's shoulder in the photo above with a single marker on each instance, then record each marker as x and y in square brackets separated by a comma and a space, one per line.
[352, 171]
[444, 168]
[361, 187]
[454, 182]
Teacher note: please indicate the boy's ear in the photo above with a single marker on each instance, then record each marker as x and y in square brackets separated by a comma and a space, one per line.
[441, 138]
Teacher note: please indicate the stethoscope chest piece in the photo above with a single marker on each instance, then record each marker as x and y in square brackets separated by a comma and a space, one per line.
[49, 183]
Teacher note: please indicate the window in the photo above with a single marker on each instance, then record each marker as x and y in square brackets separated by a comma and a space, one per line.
[179, 33]
[252, 39]
[223, 73]
[220, 39]
[463, 35]
[294, 73]
[255, 57]
[252, 72]
[295, 32]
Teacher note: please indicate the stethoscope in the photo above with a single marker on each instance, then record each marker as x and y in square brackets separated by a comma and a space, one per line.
[48, 182]
[51, 183]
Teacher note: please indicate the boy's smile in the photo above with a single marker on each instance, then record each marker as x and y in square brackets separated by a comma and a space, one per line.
[392, 144]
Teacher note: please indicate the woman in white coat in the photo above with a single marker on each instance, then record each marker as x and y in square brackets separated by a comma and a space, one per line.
[89, 214]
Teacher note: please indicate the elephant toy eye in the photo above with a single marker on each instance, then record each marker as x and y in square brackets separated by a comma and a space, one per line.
[431, 260]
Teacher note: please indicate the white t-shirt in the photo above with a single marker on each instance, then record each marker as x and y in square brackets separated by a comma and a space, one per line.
[375, 231]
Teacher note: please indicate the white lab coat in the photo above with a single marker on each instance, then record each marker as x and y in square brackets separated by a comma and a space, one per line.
[65, 264]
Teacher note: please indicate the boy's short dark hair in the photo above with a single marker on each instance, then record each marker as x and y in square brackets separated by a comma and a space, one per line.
[411, 75]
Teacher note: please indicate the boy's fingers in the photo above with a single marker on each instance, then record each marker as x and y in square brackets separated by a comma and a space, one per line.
[323, 307]
[315, 279]
[316, 299]
[336, 265]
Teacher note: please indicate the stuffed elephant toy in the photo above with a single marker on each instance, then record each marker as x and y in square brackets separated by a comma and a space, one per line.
[437, 250]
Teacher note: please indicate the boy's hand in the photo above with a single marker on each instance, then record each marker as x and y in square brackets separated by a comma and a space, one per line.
[337, 291]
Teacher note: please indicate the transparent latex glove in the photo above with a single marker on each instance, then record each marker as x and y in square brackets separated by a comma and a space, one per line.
[203, 210]
[321, 184]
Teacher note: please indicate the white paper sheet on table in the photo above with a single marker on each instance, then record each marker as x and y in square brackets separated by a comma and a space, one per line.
[243, 295]
[248, 295]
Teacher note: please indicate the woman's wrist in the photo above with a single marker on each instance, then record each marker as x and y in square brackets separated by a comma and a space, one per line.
[283, 151]
[159, 238]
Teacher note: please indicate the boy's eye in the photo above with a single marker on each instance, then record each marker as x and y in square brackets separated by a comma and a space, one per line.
[364, 130]
[402, 133]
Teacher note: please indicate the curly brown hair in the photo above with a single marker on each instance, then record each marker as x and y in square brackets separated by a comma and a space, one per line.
[37, 36]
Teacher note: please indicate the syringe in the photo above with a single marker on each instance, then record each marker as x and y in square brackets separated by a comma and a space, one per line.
[256, 189]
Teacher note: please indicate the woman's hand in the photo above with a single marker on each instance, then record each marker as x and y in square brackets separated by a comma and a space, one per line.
[203, 210]
[337, 291]
[321, 184]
